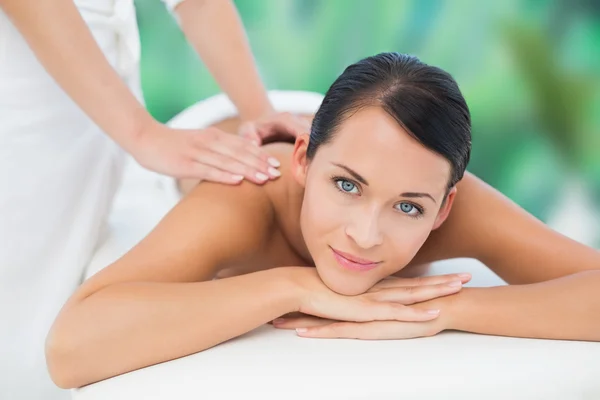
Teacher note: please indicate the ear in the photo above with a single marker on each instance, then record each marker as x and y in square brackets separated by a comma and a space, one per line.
[299, 161]
[445, 209]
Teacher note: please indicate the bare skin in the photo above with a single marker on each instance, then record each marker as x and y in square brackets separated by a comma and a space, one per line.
[232, 126]
[446, 242]
[160, 301]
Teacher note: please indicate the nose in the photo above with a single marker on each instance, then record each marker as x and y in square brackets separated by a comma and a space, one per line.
[364, 229]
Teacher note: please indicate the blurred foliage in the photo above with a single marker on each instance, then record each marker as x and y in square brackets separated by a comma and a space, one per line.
[560, 98]
[529, 69]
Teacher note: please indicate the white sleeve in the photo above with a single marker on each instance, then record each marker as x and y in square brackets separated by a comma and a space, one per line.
[171, 4]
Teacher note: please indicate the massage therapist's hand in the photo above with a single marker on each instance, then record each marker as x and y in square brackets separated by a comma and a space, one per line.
[206, 154]
[425, 294]
[388, 300]
[274, 127]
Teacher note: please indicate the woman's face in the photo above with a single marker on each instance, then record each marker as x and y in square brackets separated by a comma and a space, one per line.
[372, 196]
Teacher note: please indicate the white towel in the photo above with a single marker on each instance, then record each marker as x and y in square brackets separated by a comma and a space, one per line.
[58, 175]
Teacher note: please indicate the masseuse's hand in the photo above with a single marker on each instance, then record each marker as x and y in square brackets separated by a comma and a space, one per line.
[274, 127]
[424, 294]
[206, 154]
[389, 300]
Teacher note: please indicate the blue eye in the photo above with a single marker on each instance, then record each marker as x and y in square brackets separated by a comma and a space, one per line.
[409, 209]
[346, 186]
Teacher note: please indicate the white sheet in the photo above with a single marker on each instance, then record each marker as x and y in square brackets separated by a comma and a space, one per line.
[273, 365]
[276, 364]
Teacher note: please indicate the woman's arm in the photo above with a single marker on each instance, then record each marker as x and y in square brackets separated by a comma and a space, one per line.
[64, 45]
[148, 307]
[485, 225]
[555, 281]
[555, 291]
[157, 302]
[66, 48]
[564, 308]
[215, 30]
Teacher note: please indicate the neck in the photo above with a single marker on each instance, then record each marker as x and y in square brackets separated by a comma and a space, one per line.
[293, 209]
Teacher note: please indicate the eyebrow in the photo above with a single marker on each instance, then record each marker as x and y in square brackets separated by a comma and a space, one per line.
[362, 180]
[354, 174]
[417, 195]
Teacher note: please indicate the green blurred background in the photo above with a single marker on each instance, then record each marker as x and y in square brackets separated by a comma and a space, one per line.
[529, 69]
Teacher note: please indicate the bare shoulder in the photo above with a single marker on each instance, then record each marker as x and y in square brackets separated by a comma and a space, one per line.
[283, 153]
[280, 149]
[213, 226]
[486, 225]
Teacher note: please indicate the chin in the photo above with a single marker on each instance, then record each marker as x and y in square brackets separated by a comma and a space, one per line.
[344, 283]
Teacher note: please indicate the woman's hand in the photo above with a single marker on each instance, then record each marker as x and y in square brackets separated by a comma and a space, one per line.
[207, 154]
[388, 300]
[274, 127]
[315, 327]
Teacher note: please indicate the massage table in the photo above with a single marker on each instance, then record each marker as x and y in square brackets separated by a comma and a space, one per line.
[276, 364]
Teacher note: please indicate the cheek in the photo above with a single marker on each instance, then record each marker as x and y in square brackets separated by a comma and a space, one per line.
[319, 215]
[404, 244]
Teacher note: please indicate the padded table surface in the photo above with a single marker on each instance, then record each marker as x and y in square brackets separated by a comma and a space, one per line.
[272, 364]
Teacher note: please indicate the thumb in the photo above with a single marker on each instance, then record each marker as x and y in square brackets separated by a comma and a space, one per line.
[249, 131]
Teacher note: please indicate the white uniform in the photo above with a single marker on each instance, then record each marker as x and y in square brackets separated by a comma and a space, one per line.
[58, 176]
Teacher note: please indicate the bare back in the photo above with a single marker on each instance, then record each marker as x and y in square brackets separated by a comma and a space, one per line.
[285, 246]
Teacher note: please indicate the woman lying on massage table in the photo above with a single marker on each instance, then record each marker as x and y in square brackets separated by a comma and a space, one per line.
[377, 186]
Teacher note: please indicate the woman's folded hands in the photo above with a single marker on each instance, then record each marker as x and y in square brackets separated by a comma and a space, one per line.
[394, 308]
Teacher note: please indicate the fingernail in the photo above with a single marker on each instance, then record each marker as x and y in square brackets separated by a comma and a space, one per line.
[274, 172]
[301, 330]
[261, 177]
[433, 312]
[464, 276]
[237, 177]
[278, 321]
[274, 162]
[455, 284]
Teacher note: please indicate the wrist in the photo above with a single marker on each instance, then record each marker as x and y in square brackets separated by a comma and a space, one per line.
[449, 307]
[256, 111]
[288, 281]
[137, 132]
[452, 308]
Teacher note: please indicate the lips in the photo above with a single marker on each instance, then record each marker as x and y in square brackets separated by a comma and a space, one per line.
[353, 263]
